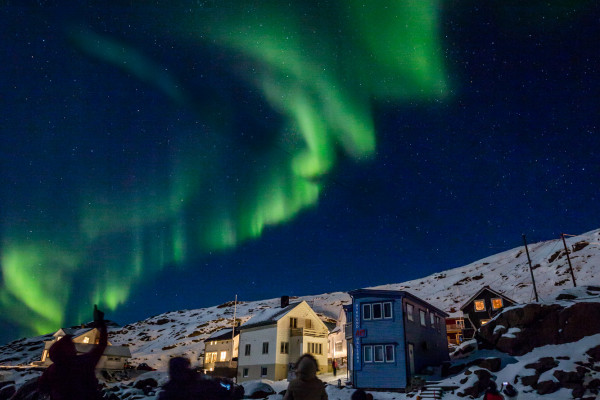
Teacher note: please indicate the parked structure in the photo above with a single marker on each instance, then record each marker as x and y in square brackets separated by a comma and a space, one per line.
[274, 339]
[221, 352]
[395, 336]
[85, 339]
[481, 308]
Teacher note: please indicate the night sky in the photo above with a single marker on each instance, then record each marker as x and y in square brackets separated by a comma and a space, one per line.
[171, 155]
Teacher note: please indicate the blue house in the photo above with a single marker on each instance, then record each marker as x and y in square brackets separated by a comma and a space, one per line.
[395, 336]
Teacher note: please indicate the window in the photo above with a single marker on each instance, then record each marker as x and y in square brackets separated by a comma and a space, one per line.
[284, 348]
[211, 357]
[293, 322]
[315, 348]
[366, 311]
[409, 312]
[437, 323]
[223, 356]
[497, 303]
[432, 319]
[263, 371]
[368, 354]
[86, 339]
[245, 372]
[484, 321]
[338, 346]
[247, 350]
[422, 317]
[379, 356]
[265, 349]
[376, 311]
[308, 324]
[389, 353]
[387, 310]
[479, 305]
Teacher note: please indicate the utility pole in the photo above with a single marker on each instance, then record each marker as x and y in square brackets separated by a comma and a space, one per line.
[568, 259]
[233, 333]
[530, 269]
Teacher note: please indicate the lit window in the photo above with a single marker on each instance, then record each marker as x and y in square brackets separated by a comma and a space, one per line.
[409, 312]
[223, 356]
[368, 354]
[422, 315]
[389, 353]
[479, 305]
[366, 311]
[497, 303]
[86, 339]
[484, 321]
[379, 353]
[338, 346]
[387, 310]
[377, 311]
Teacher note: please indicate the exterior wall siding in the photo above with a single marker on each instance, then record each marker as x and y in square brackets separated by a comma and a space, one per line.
[255, 338]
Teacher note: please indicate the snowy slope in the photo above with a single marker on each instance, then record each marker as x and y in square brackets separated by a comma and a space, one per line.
[157, 339]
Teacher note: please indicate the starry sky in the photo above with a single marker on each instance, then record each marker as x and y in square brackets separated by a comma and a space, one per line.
[174, 154]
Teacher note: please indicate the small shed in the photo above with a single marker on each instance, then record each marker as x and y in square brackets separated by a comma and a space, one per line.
[482, 307]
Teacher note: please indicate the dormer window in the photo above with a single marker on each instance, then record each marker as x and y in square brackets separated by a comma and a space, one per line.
[86, 339]
[479, 305]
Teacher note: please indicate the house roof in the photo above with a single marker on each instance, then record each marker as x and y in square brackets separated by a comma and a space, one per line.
[392, 294]
[269, 316]
[490, 290]
[111, 351]
[222, 334]
[75, 332]
[330, 326]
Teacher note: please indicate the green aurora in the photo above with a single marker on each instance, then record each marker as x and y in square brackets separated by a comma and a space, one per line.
[318, 68]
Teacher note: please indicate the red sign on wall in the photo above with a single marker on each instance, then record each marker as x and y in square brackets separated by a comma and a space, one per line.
[361, 333]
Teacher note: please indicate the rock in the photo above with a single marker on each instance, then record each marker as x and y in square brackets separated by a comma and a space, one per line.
[594, 384]
[547, 387]
[142, 383]
[543, 364]
[484, 378]
[530, 380]
[569, 379]
[578, 392]
[594, 353]
[492, 363]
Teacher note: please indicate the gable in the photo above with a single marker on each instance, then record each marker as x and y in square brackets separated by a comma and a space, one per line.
[486, 292]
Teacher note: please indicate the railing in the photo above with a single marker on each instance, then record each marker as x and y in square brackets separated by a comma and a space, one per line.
[307, 332]
[454, 327]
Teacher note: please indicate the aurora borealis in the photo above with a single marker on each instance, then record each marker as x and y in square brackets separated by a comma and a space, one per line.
[145, 146]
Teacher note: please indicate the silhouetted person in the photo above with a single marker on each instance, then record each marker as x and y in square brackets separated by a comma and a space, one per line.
[334, 367]
[186, 384]
[360, 394]
[306, 386]
[72, 376]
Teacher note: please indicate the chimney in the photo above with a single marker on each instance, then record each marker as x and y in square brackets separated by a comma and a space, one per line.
[285, 301]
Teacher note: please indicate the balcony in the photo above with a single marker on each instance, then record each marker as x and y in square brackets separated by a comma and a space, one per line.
[454, 327]
[307, 332]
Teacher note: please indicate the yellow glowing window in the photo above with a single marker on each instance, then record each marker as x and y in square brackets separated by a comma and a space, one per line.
[479, 305]
[484, 321]
[223, 356]
[496, 303]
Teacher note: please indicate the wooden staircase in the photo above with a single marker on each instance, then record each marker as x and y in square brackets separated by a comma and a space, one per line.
[431, 391]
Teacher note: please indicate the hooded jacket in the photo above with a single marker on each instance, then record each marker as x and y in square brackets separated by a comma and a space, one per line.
[306, 386]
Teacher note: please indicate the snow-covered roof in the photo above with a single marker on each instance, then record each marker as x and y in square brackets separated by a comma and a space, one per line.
[486, 288]
[222, 334]
[269, 316]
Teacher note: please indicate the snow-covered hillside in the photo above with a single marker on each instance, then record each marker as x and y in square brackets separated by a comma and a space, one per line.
[156, 339]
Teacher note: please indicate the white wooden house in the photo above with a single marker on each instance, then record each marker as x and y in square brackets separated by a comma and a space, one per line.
[337, 340]
[221, 352]
[85, 339]
[274, 339]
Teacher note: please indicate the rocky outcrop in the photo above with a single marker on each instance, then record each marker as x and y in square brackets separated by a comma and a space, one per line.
[519, 330]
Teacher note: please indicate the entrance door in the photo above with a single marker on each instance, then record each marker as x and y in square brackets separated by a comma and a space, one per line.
[411, 359]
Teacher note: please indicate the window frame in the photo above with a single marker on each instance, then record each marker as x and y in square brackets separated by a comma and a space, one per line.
[293, 322]
[497, 299]
[284, 348]
[385, 353]
[263, 371]
[247, 349]
[365, 352]
[223, 356]
[410, 311]
[245, 372]
[423, 317]
[265, 348]
[482, 301]
[432, 319]
[391, 316]
[380, 306]
[367, 306]
[382, 349]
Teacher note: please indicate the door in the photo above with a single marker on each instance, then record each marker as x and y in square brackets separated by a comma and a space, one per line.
[411, 359]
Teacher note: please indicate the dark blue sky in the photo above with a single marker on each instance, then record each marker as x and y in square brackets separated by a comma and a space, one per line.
[513, 149]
